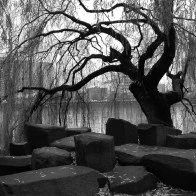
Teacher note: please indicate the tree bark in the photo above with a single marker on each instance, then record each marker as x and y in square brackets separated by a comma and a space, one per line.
[154, 104]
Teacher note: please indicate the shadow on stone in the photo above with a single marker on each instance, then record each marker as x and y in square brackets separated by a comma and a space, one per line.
[40, 135]
[14, 164]
[123, 131]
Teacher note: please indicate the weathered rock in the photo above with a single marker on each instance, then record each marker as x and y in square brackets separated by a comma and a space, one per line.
[95, 150]
[155, 134]
[177, 170]
[184, 141]
[50, 157]
[12, 164]
[66, 143]
[123, 131]
[131, 180]
[61, 181]
[20, 149]
[172, 166]
[131, 154]
[42, 135]
[76, 131]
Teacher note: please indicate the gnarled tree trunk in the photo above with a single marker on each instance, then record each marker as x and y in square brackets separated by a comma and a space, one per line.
[154, 104]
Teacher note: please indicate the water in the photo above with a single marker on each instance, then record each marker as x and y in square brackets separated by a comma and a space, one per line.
[96, 114]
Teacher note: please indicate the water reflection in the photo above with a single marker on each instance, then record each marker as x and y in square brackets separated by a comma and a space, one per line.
[96, 114]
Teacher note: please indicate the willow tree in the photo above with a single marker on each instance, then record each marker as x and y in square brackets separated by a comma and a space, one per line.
[121, 36]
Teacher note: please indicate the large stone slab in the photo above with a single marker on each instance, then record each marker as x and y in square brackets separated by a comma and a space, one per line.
[76, 131]
[176, 170]
[175, 167]
[123, 131]
[53, 181]
[40, 135]
[131, 180]
[95, 150]
[155, 134]
[184, 141]
[131, 154]
[66, 143]
[50, 157]
[14, 164]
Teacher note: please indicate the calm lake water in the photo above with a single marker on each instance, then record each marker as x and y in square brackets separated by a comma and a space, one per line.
[96, 114]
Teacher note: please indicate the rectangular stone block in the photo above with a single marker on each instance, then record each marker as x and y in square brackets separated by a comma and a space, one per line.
[175, 167]
[66, 143]
[50, 157]
[184, 141]
[14, 164]
[155, 134]
[76, 131]
[53, 181]
[123, 131]
[131, 180]
[95, 150]
[40, 135]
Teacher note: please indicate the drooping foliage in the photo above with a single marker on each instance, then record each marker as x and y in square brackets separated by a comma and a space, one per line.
[56, 47]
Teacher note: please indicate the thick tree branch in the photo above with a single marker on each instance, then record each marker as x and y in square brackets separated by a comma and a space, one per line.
[162, 65]
[86, 59]
[133, 21]
[127, 8]
[148, 54]
[125, 43]
[127, 66]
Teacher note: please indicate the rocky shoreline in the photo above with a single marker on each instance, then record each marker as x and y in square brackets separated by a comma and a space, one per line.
[129, 159]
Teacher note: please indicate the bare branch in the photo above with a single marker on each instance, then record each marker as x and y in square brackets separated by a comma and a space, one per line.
[165, 61]
[127, 8]
[117, 36]
[66, 15]
[148, 54]
[102, 10]
[75, 87]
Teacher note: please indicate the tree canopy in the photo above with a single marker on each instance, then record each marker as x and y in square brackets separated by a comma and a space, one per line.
[79, 40]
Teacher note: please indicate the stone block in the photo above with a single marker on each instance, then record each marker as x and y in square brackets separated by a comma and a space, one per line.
[53, 181]
[14, 164]
[155, 134]
[184, 141]
[175, 167]
[175, 170]
[40, 135]
[131, 154]
[66, 143]
[20, 149]
[95, 150]
[76, 131]
[50, 157]
[123, 131]
[131, 180]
